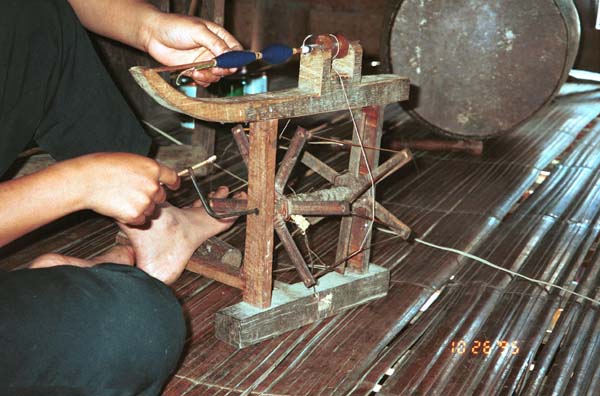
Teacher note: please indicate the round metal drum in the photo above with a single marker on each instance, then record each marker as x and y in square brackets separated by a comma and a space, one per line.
[479, 68]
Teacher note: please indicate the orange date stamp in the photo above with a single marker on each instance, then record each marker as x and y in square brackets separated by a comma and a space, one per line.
[484, 347]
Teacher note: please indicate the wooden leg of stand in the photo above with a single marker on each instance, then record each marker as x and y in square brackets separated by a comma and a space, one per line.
[258, 257]
[353, 229]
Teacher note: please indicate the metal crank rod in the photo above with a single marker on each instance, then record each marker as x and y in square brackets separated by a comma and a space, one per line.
[210, 210]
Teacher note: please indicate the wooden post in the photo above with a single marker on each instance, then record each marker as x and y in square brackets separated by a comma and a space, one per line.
[213, 10]
[353, 229]
[258, 27]
[203, 135]
[257, 269]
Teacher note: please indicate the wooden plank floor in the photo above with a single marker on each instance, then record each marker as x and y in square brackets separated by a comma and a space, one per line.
[473, 204]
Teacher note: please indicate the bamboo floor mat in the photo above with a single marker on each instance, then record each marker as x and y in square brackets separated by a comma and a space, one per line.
[448, 326]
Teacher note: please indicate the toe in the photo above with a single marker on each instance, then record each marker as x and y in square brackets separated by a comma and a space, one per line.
[48, 260]
[240, 195]
[221, 192]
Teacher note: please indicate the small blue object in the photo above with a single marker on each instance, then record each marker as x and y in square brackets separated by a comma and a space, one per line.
[256, 85]
[190, 90]
[235, 59]
[277, 53]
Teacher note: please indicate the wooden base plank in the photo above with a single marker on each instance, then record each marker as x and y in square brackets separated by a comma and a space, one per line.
[242, 324]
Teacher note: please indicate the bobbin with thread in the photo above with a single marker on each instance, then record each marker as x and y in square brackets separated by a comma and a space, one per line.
[337, 44]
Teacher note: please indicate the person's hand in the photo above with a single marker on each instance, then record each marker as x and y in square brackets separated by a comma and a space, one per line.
[126, 187]
[177, 39]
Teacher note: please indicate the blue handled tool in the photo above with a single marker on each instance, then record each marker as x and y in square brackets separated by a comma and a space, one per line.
[273, 54]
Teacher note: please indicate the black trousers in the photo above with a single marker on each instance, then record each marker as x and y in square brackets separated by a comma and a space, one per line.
[109, 330]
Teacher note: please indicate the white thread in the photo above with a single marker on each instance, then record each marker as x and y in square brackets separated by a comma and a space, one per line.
[497, 267]
[284, 128]
[244, 182]
[163, 133]
[364, 155]
[494, 266]
[306, 38]
[328, 143]
[230, 173]
[238, 188]
[178, 79]
[337, 52]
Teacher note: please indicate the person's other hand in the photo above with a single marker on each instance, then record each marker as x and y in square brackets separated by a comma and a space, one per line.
[126, 187]
[177, 39]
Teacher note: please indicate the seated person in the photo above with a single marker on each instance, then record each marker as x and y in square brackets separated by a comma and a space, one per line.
[109, 325]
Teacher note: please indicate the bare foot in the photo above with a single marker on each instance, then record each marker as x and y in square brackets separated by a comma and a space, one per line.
[164, 245]
[119, 254]
[54, 259]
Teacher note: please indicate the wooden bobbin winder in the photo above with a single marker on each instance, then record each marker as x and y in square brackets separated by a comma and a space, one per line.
[267, 311]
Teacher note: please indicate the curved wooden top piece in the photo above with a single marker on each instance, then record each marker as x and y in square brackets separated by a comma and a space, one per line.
[319, 91]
